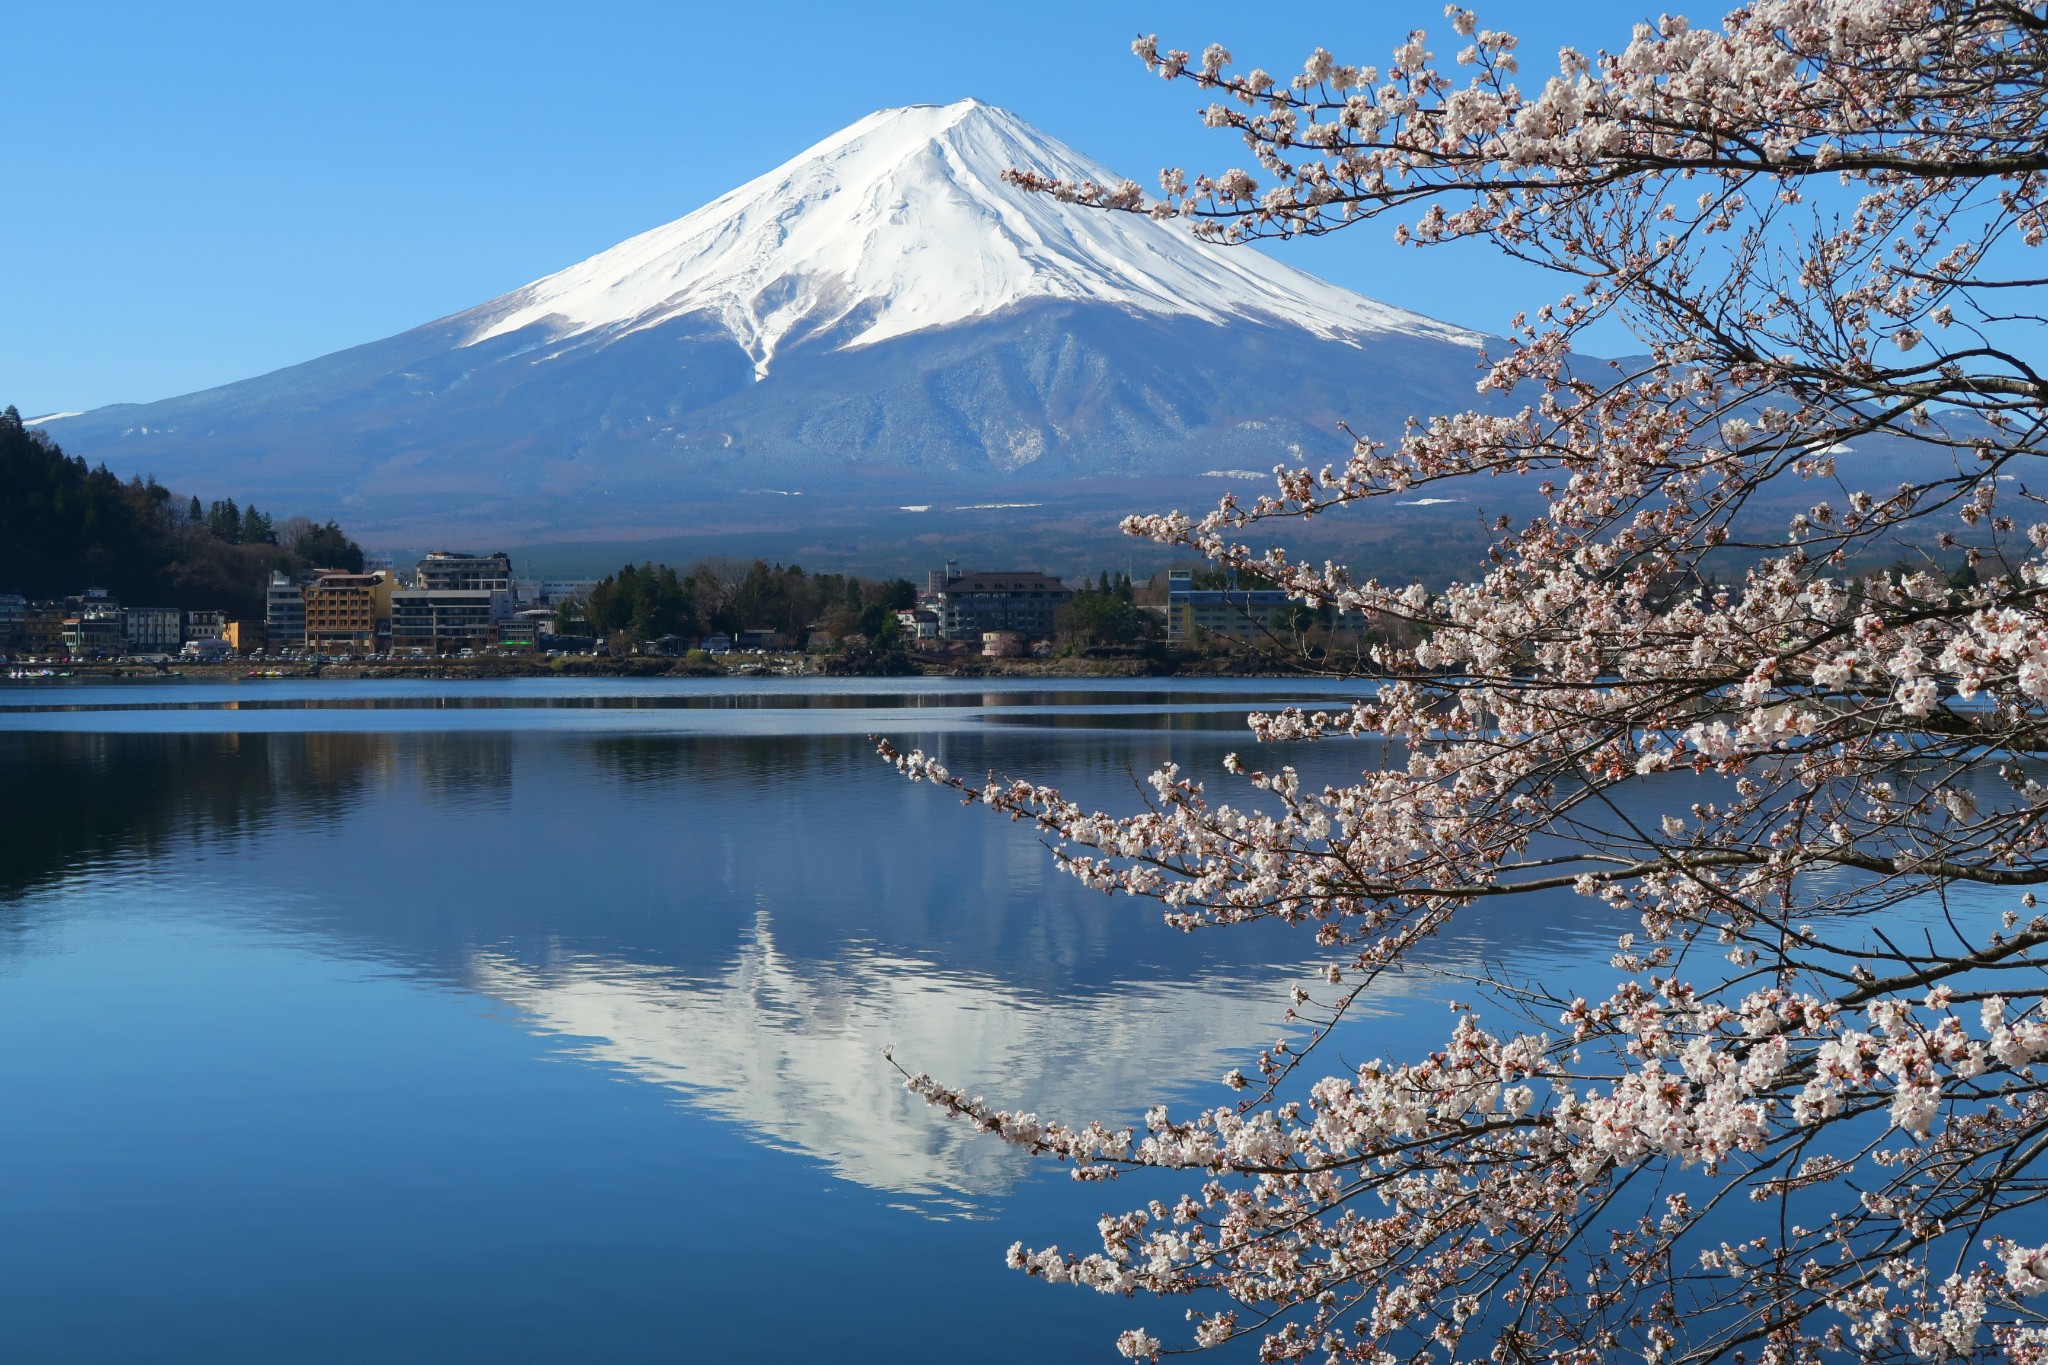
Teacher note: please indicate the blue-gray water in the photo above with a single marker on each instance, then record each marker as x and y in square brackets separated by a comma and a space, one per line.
[542, 1022]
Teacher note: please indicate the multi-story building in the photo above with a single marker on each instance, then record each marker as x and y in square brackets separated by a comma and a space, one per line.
[213, 625]
[154, 630]
[917, 624]
[95, 636]
[437, 620]
[245, 637]
[13, 621]
[1243, 614]
[549, 592]
[93, 626]
[552, 591]
[348, 613]
[284, 611]
[42, 629]
[972, 604]
[521, 630]
[448, 570]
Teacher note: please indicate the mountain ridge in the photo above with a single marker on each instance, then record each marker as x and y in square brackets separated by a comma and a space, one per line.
[935, 236]
[881, 313]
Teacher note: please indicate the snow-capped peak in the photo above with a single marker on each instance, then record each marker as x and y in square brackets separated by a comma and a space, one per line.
[903, 222]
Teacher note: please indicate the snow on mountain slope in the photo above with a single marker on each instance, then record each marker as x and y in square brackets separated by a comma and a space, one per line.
[902, 222]
[930, 336]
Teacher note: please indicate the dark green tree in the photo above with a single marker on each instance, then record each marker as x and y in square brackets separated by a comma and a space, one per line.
[645, 602]
[224, 520]
[256, 528]
[569, 618]
[898, 594]
[326, 547]
[65, 526]
[1089, 619]
[878, 625]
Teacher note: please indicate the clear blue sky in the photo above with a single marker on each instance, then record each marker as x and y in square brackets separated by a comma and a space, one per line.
[200, 193]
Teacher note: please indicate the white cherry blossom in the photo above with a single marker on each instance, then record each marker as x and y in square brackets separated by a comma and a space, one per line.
[1786, 717]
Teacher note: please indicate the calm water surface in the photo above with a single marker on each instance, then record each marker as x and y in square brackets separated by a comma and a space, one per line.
[542, 1022]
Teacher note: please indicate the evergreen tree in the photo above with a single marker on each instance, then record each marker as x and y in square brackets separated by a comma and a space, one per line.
[224, 520]
[65, 525]
[1102, 618]
[256, 528]
[898, 594]
[325, 547]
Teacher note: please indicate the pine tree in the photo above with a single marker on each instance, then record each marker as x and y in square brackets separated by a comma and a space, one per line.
[256, 528]
[224, 520]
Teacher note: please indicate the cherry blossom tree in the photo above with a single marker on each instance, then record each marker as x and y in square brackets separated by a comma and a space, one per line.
[1781, 716]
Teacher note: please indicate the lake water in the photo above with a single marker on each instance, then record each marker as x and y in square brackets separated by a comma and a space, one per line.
[543, 1022]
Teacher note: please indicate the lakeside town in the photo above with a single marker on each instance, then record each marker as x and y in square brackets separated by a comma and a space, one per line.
[468, 607]
[1375, 694]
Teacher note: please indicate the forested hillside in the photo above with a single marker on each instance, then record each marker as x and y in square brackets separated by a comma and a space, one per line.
[65, 525]
[727, 595]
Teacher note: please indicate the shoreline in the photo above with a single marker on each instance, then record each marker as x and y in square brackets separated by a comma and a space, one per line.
[768, 667]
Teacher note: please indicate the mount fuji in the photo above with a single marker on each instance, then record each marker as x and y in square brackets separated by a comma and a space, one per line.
[882, 321]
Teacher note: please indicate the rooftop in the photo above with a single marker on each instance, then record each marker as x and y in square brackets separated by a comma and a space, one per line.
[1003, 580]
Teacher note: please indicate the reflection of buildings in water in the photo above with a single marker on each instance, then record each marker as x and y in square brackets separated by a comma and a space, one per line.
[462, 770]
[791, 1049]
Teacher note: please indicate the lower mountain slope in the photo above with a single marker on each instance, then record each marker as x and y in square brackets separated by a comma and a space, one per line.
[527, 434]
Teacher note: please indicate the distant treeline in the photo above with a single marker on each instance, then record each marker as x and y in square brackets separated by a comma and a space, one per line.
[65, 526]
[1106, 613]
[648, 601]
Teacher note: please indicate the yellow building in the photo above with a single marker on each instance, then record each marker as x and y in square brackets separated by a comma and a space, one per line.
[348, 613]
[245, 637]
[42, 629]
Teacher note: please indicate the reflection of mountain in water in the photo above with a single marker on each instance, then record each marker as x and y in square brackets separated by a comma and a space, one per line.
[749, 918]
[792, 1048]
